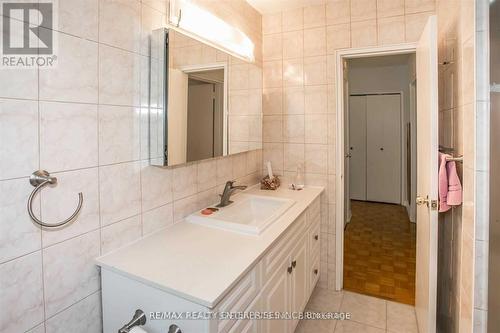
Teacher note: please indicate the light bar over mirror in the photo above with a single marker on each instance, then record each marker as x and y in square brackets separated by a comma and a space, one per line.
[198, 23]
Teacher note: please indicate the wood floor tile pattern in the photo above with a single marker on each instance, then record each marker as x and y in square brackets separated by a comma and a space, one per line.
[379, 252]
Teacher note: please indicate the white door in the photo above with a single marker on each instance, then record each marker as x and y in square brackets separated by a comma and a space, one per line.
[200, 127]
[383, 137]
[357, 147]
[427, 178]
[347, 201]
[177, 116]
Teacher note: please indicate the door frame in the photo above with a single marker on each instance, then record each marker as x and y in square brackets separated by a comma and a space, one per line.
[340, 56]
[225, 113]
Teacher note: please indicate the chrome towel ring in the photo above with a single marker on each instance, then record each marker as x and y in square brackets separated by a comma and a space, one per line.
[39, 179]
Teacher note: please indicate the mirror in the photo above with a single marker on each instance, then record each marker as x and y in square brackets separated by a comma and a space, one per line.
[204, 103]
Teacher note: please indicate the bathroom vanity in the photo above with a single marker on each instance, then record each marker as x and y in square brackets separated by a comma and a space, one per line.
[190, 271]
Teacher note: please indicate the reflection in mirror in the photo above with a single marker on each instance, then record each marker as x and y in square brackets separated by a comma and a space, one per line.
[204, 103]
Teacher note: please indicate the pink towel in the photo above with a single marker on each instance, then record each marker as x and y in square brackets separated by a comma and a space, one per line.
[450, 189]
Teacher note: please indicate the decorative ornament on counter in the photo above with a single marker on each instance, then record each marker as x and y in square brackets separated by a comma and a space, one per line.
[270, 182]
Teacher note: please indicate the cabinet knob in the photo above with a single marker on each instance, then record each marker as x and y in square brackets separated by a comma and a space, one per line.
[289, 269]
[315, 272]
[381, 148]
[294, 263]
[174, 329]
[316, 237]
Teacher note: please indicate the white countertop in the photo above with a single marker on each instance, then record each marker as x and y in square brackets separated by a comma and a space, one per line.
[199, 263]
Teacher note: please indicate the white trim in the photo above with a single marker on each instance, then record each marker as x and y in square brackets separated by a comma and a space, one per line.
[340, 55]
[208, 67]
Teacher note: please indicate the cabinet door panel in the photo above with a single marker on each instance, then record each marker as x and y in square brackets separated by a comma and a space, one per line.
[300, 277]
[276, 298]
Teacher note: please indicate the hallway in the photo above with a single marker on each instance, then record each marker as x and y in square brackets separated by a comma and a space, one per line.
[379, 252]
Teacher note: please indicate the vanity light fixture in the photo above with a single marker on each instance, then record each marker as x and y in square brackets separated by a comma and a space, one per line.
[202, 25]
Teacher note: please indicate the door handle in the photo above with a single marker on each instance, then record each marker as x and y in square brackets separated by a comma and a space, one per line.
[433, 204]
[421, 200]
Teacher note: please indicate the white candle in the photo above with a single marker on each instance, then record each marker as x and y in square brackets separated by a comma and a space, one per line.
[270, 170]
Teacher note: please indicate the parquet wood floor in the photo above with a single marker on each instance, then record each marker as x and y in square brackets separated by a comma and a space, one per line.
[379, 252]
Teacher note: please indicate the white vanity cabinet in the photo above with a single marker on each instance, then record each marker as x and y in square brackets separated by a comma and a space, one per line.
[281, 281]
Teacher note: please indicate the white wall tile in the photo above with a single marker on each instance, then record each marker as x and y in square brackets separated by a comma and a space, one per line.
[272, 74]
[364, 33]
[19, 83]
[272, 101]
[294, 155]
[293, 20]
[185, 206]
[417, 6]
[120, 233]
[316, 128]
[316, 158]
[60, 201]
[119, 134]
[293, 72]
[79, 18]
[272, 129]
[315, 70]
[338, 37]
[157, 219]
[271, 23]
[293, 128]
[21, 293]
[362, 10]
[18, 138]
[120, 23]
[69, 271]
[119, 77]
[315, 42]
[67, 81]
[314, 16]
[293, 44]
[391, 30]
[224, 170]
[388, 8]
[68, 136]
[184, 180]
[156, 183]
[272, 46]
[338, 12]
[119, 191]
[18, 234]
[84, 316]
[316, 99]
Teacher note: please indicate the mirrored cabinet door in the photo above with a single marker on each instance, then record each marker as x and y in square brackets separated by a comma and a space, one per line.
[204, 103]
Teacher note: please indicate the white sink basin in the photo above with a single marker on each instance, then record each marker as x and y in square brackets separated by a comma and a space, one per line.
[249, 214]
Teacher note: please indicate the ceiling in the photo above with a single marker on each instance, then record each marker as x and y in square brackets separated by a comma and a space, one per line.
[273, 6]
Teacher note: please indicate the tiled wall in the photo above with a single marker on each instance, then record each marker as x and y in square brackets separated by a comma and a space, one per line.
[299, 94]
[463, 119]
[85, 121]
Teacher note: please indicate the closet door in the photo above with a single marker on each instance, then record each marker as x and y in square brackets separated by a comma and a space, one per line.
[383, 170]
[357, 147]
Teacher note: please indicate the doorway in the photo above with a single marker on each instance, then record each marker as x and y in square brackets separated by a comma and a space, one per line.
[379, 239]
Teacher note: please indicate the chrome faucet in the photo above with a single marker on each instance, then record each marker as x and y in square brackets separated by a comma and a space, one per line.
[228, 190]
